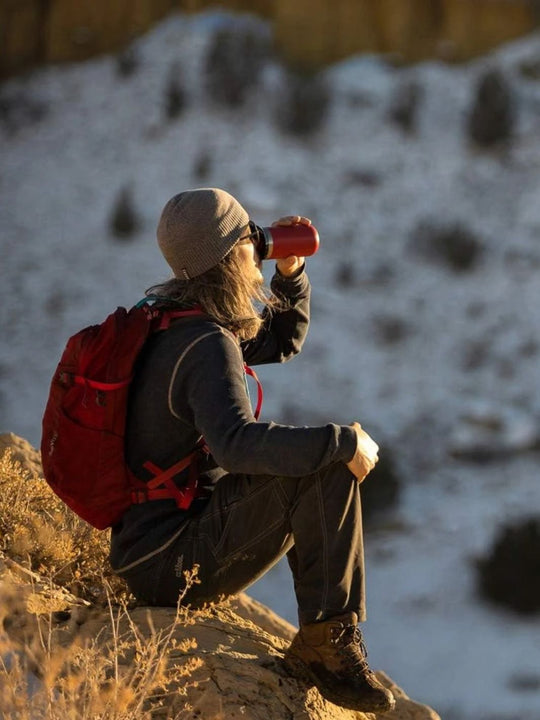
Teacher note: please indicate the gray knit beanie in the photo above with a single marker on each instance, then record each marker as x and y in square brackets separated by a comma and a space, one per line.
[198, 228]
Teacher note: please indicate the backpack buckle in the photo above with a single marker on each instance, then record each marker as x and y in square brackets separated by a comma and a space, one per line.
[139, 496]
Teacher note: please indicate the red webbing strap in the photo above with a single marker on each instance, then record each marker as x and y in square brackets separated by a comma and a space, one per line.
[96, 385]
[141, 496]
[251, 372]
[183, 496]
[163, 476]
[165, 316]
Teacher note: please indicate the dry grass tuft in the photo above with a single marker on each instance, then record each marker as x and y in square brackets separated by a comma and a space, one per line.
[41, 533]
[119, 675]
[48, 559]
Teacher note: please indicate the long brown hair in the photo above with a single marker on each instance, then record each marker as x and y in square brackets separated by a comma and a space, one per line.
[225, 293]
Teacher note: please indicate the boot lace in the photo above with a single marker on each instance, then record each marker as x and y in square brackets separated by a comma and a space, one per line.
[350, 644]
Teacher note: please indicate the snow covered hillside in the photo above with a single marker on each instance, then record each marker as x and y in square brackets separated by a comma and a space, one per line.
[435, 351]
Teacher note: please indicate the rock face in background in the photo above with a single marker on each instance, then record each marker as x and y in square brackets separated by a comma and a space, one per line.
[309, 33]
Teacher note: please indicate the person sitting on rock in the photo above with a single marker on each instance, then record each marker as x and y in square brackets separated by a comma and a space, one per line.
[264, 489]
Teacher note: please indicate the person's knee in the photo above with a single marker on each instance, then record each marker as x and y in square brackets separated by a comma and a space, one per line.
[334, 480]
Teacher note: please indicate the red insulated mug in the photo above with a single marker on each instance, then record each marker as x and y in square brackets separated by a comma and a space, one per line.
[280, 241]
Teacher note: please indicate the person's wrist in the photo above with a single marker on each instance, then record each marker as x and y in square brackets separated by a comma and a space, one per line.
[293, 275]
[350, 443]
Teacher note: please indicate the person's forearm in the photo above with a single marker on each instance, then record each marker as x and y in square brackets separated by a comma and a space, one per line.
[271, 449]
[284, 332]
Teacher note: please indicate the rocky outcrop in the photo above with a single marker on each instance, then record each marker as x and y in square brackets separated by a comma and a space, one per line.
[310, 33]
[223, 661]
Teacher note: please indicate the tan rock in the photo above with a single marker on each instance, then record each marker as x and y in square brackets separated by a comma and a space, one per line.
[221, 663]
[260, 615]
[241, 674]
[22, 452]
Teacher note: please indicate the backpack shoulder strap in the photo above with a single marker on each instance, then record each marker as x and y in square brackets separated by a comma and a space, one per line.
[165, 316]
[249, 371]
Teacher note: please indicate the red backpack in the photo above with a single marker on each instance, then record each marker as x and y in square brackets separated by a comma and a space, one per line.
[82, 444]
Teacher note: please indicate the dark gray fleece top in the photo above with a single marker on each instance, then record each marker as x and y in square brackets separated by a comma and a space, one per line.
[189, 382]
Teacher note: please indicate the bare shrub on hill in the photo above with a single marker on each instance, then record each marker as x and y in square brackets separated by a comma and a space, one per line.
[451, 244]
[476, 353]
[404, 106]
[19, 110]
[530, 69]
[381, 489]
[364, 177]
[389, 330]
[56, 303]
[202, 167]
[345, 275]
[509, 574]
[124, 220]
[349, 275]
[528, 348]
[175, 94]
[234, 63]
[492, 117]
[303, 109]
[127, 62]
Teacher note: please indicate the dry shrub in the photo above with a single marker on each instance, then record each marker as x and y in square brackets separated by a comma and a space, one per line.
[345, 275]
[18, 110]
[493, 113]
[509, 574]
[450, 244]
[530, 68]
[235, 60]
[50, 668]
[390, 329]
[39, 531]
[175, 93]
[127, 62]
[404, 106]
[303, 109]
[202, 167]
[124, 220]
[381, 490]
[121, 674]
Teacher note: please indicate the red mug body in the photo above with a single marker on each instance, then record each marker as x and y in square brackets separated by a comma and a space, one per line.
[280, 241]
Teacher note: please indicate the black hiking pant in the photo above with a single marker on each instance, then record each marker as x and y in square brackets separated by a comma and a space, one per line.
[249, 523]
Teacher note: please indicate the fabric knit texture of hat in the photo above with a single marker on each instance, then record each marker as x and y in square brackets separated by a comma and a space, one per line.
[198, 228]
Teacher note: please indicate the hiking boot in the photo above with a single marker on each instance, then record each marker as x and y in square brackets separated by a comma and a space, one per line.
[333, 655]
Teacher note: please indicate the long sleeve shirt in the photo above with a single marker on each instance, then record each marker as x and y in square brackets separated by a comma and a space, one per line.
[190, 382]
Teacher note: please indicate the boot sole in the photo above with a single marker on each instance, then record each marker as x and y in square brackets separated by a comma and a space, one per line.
[297, 668]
